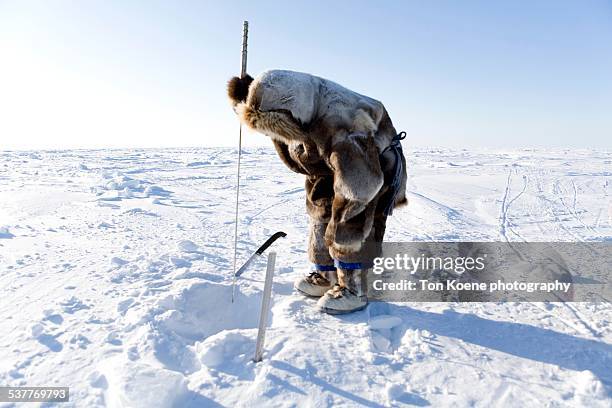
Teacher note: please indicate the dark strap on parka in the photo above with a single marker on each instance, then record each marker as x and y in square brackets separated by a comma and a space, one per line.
[396, 182]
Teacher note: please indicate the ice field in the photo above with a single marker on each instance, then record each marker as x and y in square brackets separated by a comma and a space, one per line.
[116, 281]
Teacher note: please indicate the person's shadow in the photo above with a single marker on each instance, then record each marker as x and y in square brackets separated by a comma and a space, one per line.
[518, 339]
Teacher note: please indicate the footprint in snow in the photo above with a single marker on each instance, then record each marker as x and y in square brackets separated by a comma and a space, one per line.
[5, 233]
[113, 338]
[48, 340]
[53, 317]
[188, 246]
[384, 327]
[179, 262]
[118, 262]
[124, 305]
[80, 341]
[72, 305]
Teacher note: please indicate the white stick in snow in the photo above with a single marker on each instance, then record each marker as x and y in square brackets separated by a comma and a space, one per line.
[243, 68]
[265, 307]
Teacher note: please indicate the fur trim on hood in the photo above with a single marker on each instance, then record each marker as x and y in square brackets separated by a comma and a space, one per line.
[238, 89]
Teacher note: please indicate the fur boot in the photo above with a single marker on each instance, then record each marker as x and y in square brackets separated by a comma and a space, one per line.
[347, 296]
[316, 283]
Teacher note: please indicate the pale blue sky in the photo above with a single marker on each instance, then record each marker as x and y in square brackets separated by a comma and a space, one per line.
[451, 73]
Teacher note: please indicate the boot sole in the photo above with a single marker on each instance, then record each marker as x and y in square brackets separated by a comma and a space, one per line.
[307, 294]
[341, 312]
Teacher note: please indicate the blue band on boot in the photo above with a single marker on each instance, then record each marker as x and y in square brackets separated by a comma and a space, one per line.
[347, 265]
[323, 268]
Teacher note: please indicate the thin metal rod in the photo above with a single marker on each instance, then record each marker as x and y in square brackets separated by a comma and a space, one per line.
[245, 35]
[265, 308]
[245, 38]
[236, 213]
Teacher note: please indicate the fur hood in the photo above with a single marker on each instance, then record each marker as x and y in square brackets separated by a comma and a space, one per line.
[288, 105]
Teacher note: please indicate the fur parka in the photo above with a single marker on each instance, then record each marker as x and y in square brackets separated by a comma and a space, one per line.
[320, 128]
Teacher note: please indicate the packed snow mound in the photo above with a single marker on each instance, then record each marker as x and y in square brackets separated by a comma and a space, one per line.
[206, 308]
[138, 385]
[118, 186]
[227, 348]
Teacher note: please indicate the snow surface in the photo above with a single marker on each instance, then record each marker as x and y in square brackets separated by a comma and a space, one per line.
[116, 282]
